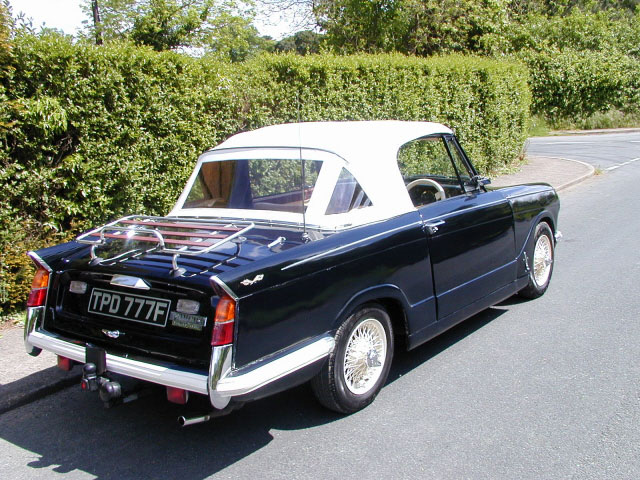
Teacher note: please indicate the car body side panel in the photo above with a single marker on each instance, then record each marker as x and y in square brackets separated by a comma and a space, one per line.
[472, 251]
[319, 292]
[52, 256]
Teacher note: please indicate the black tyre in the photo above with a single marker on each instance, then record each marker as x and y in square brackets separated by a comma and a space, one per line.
[540, 257]
[359, 364]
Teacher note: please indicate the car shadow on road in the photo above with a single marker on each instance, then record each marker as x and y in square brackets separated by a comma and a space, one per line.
[404, 361]
[72, 431]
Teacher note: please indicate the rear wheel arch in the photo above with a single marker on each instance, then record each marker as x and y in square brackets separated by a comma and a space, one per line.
[390, 298]
[398, 320]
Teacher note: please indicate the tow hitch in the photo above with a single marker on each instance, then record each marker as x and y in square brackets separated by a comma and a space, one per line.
[110, 391]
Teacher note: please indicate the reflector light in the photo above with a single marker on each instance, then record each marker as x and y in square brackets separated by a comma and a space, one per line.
[224, 321]
[38, 293]
[65, 363]
[177, 395]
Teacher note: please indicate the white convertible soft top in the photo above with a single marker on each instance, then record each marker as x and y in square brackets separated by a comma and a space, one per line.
[368, 149]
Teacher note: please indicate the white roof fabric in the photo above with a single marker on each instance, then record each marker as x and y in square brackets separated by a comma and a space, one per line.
[369, 150]
[347, 139]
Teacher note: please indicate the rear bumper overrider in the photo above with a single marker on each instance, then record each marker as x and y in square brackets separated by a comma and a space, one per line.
[221, 383]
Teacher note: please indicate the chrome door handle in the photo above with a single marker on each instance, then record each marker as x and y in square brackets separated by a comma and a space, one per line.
[432, 227]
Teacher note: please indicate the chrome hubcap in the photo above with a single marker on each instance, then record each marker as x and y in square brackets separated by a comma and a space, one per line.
[365, 356]
[542, 260]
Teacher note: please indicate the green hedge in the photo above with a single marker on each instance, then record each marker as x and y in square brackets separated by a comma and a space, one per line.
[575, 85]
[102, 131]
[88, 134]
[486, 101]
[91, 133]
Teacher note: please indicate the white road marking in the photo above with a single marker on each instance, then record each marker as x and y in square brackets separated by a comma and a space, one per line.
[622, 164]
[567, 143]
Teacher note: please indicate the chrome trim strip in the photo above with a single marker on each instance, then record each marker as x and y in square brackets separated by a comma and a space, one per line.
[221, 384]
[349, 245]
[35, 315]
[224, 287]
[33, 320]
[469, 209]
[524, 194]
[220, 367]
[163, 374]
[36, 258]
[240, 383]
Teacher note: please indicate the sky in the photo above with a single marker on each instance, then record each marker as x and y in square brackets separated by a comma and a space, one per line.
[67, 16]
[64, 15]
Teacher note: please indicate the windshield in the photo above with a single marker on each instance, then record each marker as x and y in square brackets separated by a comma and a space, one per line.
[254, 184]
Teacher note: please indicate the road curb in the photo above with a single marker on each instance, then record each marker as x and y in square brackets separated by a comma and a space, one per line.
[590, 173]
[599, 131]
[36, 386]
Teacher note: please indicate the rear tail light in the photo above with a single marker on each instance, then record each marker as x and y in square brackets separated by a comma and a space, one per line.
[224, 322]
[38, 293]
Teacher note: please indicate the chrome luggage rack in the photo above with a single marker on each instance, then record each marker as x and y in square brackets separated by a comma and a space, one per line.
[190, 237]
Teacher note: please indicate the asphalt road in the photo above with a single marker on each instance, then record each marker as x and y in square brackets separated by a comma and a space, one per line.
[605, 151]
[542, 389]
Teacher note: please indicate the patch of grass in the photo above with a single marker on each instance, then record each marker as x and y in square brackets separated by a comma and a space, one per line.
[538, 126]
[600, 120]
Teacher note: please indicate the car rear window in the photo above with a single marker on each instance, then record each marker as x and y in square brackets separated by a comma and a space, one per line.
[255, 184]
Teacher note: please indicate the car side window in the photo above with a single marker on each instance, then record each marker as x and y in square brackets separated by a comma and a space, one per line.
[432, 169]
[347, 195]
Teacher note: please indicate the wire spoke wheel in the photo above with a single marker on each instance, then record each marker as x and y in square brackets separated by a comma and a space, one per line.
[359, 364]
[542, 260]
[365, 356]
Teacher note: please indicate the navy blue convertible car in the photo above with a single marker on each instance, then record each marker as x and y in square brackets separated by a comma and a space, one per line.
[296, 253]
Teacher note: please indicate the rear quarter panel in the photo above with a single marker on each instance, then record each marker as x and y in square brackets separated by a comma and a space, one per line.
[311, 292]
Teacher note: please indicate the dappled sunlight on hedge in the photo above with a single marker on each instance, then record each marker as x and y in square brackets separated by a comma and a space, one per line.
[93, 133]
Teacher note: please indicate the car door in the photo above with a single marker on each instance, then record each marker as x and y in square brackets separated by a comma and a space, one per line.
[470, 230]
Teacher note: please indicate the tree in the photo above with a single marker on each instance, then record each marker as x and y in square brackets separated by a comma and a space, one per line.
[236, 39]
[6, 29]
[303, 43]
[161, 24]
[210, 25]
[95, 11]
[299, 13]
[422, 27]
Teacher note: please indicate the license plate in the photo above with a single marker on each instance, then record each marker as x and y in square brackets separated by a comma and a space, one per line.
[137, 308]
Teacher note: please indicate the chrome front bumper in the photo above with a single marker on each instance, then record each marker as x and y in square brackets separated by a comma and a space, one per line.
[222, 382]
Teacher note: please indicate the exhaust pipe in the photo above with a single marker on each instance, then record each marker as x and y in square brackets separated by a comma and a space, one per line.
[185, 422]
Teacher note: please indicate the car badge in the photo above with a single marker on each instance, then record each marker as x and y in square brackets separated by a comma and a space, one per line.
[246, 282]
[131, 282]
[112, 333]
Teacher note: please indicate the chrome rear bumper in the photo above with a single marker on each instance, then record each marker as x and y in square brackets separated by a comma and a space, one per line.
[221, 383]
